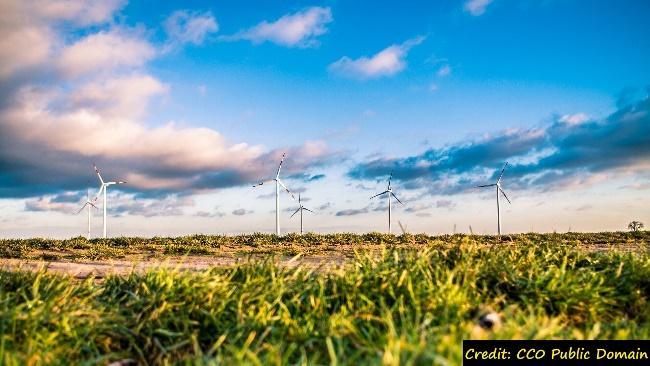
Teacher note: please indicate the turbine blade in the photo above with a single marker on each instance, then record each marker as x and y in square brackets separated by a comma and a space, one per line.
[486, 185]
[99, 192]
[504, 195]
[82, 208]
[502, 170]
[293, 214]
[378, 194]
[98, 175]
[390, 177]
[393, 194]
[306, 209]
[92, 204]
[286, 189]
[280, 166]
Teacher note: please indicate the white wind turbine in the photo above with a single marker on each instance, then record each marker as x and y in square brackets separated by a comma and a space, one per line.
[88, 204]
[498, 189]
[103, 188]
[388, 190]
[278, 183]
[300, 209]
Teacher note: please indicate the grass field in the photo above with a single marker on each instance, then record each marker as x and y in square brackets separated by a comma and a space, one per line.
[397, 300]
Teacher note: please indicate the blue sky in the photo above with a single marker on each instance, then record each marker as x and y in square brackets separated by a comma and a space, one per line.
[192, 102]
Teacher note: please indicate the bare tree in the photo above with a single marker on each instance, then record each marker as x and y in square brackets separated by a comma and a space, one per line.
[635, 226]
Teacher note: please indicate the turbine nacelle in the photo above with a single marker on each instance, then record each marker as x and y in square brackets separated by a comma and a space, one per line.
[499, 190]
[102, 189]
[278, 183]
[389, 191]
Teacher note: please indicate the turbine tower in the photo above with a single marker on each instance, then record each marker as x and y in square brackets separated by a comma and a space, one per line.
[498, 189]
[278, 183]
[390, 193]
[103, 188]
[88, 204]
[300, 209]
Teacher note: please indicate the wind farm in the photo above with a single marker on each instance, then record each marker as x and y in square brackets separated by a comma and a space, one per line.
[389, 194]
[299, 210]
[103, 188]
[278, 183]
[88, 205]
[391, 128]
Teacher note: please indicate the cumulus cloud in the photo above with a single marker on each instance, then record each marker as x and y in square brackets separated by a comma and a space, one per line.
[352, 211]
[44, 205]
[209, 214]
[299, 29]
[14, 56]
[307, 177]
[104, 51]
[183, 26]
[574, 119]
[28, 34]
[476, 7]
[170, 205]
[386, 62]
[120, 204]
[241, 212]
[560, 155]
[91, 108]
[58, 203]
[117, 97]
[445, 204]
[324, 206]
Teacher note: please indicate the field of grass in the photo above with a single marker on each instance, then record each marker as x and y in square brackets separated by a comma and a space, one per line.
[288, 245]
[411, 301]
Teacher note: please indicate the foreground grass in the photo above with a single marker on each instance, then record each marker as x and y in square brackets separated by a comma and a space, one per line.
[398, 306]
[243, 245]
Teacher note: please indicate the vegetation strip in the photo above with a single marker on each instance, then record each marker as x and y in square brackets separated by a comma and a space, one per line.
[393, 306]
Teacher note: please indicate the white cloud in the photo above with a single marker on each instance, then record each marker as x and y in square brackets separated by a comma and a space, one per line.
[476, 7]
[28, 28]
[82, 12]
[444, 70]
[125, 97]
[79, 12]
[388, 61]
[92, 109]
[292, 30]
[104, 51]
[241, 212]
[15, 56]
[433, 87]
[574, 119]
[185, 27]
[47, 204]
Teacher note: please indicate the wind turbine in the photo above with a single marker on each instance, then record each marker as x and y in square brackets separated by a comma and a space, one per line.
[301, 208]
[498, 189]
[388, 190]
[103, 188]
[88, 204]
[278, 183]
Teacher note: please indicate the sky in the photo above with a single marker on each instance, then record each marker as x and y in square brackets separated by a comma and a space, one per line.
[193, 102]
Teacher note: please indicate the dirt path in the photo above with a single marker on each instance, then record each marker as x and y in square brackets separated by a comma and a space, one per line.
[101, 269]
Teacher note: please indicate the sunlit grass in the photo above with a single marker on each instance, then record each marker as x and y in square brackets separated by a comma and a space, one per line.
[390, 306]
[288, 245]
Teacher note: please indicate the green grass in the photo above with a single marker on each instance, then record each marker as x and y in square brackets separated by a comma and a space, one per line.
[291, 244]
[389, 306]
